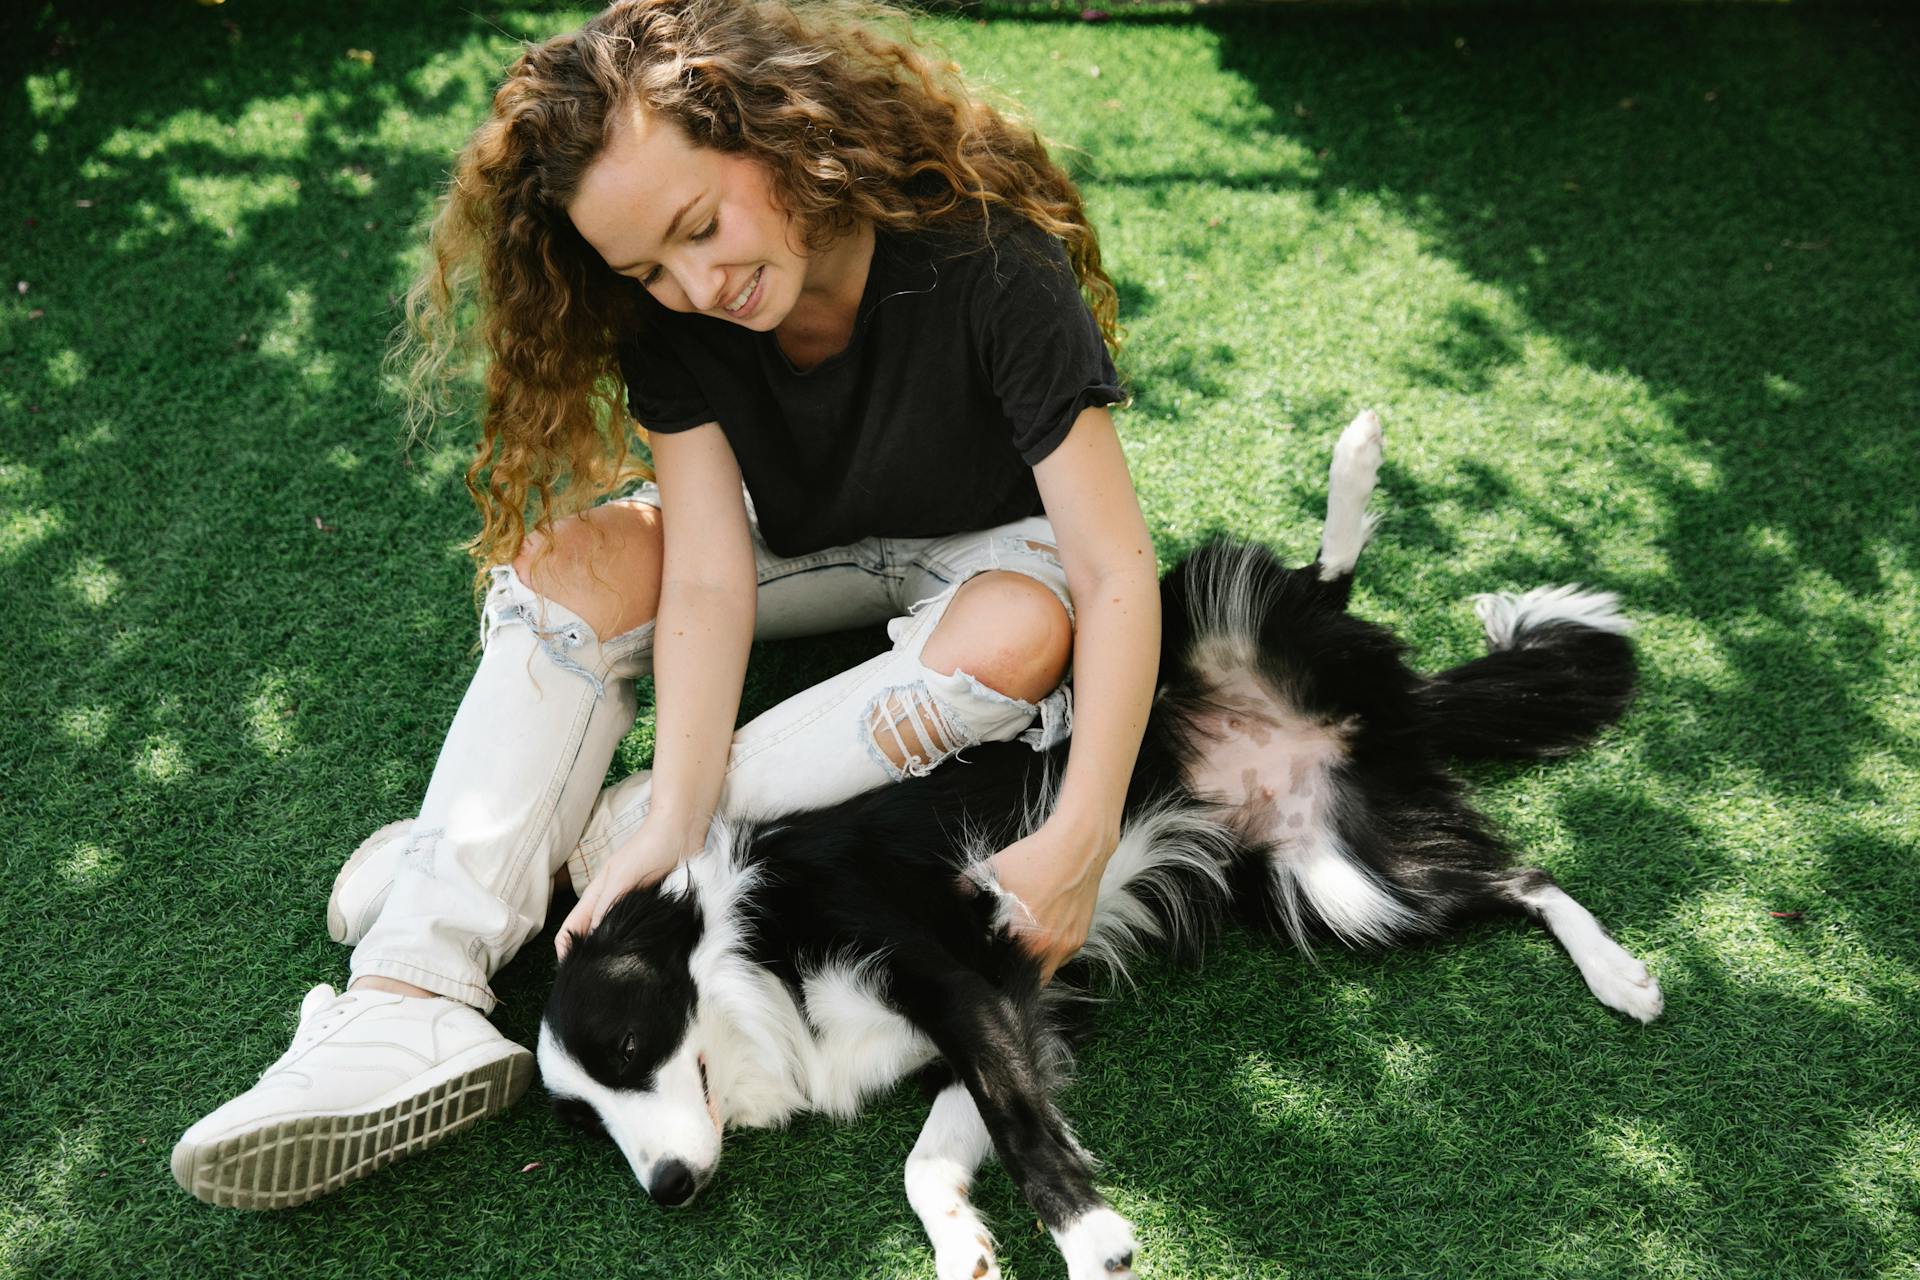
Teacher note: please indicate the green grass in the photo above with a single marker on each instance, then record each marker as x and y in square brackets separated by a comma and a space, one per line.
[1637, 292]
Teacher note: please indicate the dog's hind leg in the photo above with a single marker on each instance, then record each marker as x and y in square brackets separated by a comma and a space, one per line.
[940, 1170]
[1614, 976]
[1350, 481]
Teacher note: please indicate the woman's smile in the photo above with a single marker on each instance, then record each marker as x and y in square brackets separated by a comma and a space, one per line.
[749, 296]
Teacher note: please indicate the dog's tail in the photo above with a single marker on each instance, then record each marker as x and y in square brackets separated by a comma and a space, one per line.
[1558, 671]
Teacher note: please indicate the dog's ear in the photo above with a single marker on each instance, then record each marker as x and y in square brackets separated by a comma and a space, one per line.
[664, 925]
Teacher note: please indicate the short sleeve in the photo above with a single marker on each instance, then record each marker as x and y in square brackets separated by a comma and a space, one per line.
[1038, 340]
[662, 394]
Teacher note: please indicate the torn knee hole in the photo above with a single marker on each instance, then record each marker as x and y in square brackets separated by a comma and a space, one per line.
[911, 732]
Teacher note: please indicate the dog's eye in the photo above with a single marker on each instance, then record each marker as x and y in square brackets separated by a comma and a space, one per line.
[629, 1047]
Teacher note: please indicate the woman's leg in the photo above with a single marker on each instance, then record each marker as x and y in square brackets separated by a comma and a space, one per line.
[525, 756]
[979, 654]
[376, 1074]
[834, 589]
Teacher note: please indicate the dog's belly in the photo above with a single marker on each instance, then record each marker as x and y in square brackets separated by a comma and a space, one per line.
[859, 1046]
[1266, 759]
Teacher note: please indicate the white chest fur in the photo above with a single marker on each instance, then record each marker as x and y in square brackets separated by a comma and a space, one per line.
[860, 1046]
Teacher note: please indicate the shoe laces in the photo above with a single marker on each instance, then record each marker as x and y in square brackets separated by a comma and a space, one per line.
[323, 1022]
[316, 1027]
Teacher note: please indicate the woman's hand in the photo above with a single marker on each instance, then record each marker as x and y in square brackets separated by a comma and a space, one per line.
[1055, 875]
[657, 848]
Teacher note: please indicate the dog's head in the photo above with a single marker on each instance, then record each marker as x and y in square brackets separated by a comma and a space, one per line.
[617, 1050]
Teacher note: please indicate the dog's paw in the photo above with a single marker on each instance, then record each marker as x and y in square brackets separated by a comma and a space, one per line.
[1098, 1246]
[966, 1260]
[1620, 981]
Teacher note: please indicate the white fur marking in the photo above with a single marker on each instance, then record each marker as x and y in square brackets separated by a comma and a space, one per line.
[1614, 976]
[1507, 618]
[668, 1122]
[1341, 892]
[861, 1046]
[1153, 847]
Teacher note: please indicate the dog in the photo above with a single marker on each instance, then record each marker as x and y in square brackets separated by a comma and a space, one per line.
[1292, 773]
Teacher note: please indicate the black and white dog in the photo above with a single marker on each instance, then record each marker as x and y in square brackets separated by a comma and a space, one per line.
[1293, 771]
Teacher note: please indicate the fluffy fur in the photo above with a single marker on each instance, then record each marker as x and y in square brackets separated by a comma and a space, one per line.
[1292, 772]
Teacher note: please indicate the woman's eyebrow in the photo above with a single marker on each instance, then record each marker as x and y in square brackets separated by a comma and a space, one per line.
[671, 227]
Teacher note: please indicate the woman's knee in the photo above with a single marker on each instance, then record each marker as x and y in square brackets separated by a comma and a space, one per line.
[603, 564]
[1007, 631]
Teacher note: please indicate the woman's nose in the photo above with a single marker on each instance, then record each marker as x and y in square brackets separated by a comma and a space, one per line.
[704, 280]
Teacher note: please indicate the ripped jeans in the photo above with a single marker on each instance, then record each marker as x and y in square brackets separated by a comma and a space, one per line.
[516, 793]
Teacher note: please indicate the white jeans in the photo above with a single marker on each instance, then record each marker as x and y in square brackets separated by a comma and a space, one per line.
[516, 793]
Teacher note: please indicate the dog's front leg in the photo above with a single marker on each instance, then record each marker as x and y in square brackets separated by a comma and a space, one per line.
[991, 1040]
[940, 1174]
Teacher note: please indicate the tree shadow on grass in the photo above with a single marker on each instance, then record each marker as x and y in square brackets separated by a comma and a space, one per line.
[1700, 200]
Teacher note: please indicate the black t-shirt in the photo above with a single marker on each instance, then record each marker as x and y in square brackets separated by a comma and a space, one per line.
[969, 362]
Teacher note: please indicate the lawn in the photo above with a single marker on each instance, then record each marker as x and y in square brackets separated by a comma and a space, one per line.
[1637, 292]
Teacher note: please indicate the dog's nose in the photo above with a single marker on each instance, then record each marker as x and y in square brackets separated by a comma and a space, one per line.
[672, 1183]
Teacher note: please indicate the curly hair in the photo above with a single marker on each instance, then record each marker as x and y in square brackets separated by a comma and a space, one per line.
[838, 99]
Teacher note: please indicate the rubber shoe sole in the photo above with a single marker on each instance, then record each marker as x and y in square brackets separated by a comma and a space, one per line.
[289, 1162]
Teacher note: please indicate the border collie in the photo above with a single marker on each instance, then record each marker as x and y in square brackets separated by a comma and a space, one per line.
[1292, 773]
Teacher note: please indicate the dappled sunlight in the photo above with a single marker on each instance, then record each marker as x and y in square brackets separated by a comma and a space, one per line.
[285, 337]
[52, 95]
[23, 530]
[93, 582]
[91, 866]
[45, 1208]
[261, 129]
[225, 204]
[1391, 1087]
[65, 369]
[290, 340]
[1876, 1175]
[1649, 1157]
[1277, 1101]
[1823, 955]
[162, 759]
[270, 709]
[86, 726]
[1193, 1236]
[1783, 390]
[438, 468]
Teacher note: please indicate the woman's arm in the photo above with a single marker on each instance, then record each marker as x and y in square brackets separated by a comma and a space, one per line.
[1115, 586]
[703, 628]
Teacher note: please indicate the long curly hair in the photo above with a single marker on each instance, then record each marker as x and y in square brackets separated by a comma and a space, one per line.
[838, 99]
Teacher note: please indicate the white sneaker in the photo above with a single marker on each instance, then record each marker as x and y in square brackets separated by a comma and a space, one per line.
[371, 1076]
[361, 887]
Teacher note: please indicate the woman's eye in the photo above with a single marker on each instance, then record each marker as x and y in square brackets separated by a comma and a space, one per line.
[652, 277]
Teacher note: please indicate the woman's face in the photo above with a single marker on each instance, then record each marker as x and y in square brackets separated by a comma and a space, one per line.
[698, 228]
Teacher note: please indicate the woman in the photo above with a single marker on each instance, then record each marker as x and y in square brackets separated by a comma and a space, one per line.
[845, 301]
